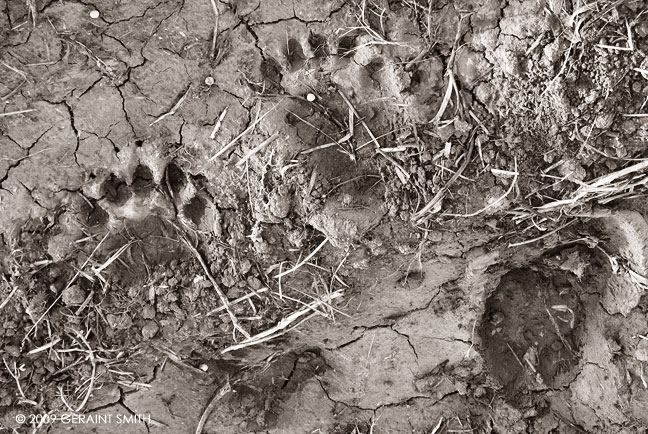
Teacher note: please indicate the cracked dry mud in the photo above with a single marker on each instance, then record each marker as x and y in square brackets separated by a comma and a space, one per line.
[141, 140]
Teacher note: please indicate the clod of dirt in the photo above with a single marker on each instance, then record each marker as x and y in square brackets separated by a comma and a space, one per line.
[471, 65]
[347, 217]
[119, 322]
[641, 353]
[628, 235]
[73, 295]
[150, 329]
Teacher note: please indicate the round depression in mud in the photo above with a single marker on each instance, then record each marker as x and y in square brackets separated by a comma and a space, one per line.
[533, 323]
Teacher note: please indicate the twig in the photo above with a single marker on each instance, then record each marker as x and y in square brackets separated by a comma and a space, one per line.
[175, 108]
[220, 293]
[306, 259]
[227, 387]
[15, 373]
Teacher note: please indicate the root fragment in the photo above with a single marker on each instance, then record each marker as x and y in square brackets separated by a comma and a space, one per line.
[175, 108]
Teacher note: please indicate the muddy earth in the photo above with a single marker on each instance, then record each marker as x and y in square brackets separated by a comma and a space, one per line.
[349, 217]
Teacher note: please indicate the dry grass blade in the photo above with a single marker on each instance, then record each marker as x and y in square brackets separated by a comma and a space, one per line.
[543, 236]
[18, 112]
[433, 205]
[212, 51]
[94, 371]
[247, 130]
[238, 300]
[587, 189]
[221, 294]
[101, 64]
[438, 425]
[515, 175]
[402, 174]
[446, 97]
[305, 260]
[452, 84]
[97, 271]
[280, 328]
[70, 283]
[47, 346]
[11, 294]
[91, 356]
[219, 123]
[256, 149]
[33, 11]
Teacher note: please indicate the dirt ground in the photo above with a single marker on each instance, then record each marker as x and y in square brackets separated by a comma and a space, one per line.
[349, 217]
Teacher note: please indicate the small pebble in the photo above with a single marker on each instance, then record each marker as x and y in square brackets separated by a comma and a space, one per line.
[204, 367]
[209, 81]
[94, 14]
[310, 97]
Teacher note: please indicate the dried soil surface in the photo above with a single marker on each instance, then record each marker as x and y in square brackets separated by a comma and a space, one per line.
[275, 216]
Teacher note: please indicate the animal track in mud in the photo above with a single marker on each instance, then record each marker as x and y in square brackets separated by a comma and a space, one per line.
[318, 44]
[295, 55]
[137, 196]
[533, 328]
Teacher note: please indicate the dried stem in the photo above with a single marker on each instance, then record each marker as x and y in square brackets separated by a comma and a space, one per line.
[212, 51]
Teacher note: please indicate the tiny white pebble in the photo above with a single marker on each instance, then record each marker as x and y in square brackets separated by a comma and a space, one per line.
[94, 14]
[209, 81]
[204, 367]
[310, 97]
